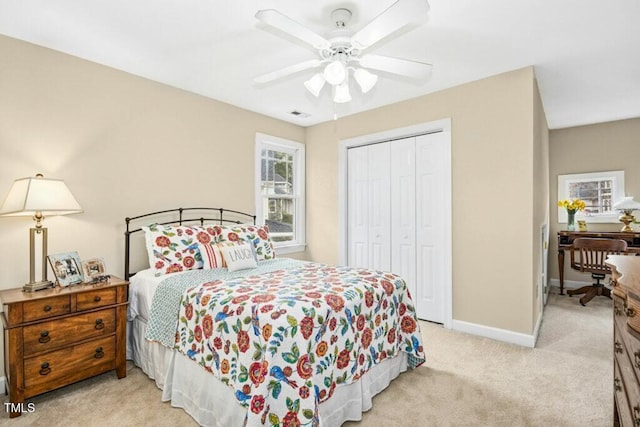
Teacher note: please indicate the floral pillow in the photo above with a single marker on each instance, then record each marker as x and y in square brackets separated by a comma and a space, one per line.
[256, 235]
[174, 248]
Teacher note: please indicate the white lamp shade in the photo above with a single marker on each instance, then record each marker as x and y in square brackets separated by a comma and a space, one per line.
[335, 72]
[626, 204]
[36, 194]
[315, 84]
[365, 79]
[341, 93]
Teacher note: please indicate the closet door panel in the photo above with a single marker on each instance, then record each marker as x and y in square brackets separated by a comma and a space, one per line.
[430, 260]
[379, 207]
[357, 216]
[403, 211]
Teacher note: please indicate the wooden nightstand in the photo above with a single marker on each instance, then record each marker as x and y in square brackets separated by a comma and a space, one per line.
[58, 336]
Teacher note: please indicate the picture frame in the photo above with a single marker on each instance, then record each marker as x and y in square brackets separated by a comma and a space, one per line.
[66, 268]
[599, 190]
[93, 269]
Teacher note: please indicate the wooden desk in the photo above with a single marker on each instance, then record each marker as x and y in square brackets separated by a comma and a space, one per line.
[565, 242]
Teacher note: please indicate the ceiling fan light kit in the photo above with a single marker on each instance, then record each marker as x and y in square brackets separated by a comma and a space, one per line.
[315, 84]
[340, 53]
[365, 79]
[341, 93]
[335, 72]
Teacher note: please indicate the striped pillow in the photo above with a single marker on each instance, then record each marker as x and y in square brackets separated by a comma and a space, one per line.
[211, 256]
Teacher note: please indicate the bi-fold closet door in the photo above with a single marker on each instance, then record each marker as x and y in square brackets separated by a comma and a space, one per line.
[395, 220]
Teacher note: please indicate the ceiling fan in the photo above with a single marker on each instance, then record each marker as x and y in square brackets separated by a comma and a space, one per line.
[344, 51]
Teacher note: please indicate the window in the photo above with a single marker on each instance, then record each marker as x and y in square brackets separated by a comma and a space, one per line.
[279, 191]
[599, 190]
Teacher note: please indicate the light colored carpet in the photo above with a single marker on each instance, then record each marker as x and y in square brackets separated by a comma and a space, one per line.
[467, 381]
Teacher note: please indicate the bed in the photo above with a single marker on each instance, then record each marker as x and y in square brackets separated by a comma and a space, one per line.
[259, 340]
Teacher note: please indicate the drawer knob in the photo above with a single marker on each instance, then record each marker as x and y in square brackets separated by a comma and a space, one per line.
[616, 384]
[44, 368]
[617, 347]
[47, 308]
[97, 298]
[44, 337]
[99, 324]
[99, 353]
[630, 312]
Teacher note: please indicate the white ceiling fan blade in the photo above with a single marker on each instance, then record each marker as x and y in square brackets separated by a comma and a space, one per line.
[404, 67]
[397, 16]
[287, 71]
[277, 20]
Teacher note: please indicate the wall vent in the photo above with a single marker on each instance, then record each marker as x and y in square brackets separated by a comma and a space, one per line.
[300, 114]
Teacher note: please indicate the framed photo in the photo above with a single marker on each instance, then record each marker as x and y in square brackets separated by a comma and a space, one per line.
[93, 269]
[598, 190]
[66, 268]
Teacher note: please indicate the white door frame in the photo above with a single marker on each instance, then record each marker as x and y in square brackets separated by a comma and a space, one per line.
[443, 125]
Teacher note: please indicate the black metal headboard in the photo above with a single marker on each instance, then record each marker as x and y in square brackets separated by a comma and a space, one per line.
[179, 216]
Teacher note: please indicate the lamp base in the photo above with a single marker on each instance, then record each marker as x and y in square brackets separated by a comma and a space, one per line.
[37, 286]
[626, 218]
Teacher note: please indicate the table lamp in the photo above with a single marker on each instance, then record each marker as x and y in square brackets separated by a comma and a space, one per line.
[626, 206]
[38, 197]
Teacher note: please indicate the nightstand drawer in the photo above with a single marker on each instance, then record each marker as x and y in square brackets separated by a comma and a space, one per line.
[45, 307]
[58, 333]
[95, 299]
[69, 364]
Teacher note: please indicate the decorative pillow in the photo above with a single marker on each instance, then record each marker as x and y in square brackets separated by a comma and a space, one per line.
[258, 236]
[238, 255]
[174, 248]
[211, 256]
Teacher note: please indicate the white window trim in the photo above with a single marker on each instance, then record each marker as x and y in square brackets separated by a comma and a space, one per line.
[297, 149]
[617, 194]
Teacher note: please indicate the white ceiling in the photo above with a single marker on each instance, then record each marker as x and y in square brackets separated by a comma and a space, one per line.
[586, 53]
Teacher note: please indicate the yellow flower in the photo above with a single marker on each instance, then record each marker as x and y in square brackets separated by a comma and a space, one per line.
[572, 205]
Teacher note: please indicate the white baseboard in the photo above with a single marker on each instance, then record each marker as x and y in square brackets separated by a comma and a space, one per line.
[498, 334]
[568, 284]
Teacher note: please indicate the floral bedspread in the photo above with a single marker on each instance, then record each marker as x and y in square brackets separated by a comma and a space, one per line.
[284, 340]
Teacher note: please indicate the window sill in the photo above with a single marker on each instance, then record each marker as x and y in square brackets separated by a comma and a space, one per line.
[289, 249]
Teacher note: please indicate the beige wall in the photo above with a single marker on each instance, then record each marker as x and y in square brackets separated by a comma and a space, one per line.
[124, 146]
[540, 199]
[593, 148]
[493, 190]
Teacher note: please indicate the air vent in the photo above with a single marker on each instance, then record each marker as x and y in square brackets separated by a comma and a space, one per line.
[300, 114]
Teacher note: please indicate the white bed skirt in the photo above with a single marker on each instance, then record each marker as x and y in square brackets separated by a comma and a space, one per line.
[212, 403]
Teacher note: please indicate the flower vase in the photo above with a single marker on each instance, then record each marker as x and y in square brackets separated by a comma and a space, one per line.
[571, 220]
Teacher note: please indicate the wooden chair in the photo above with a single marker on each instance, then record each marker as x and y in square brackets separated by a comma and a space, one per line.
[593, 253]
